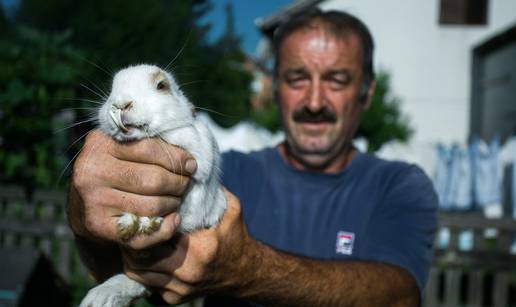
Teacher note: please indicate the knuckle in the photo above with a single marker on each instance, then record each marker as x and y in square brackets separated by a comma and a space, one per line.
[130, 176]
[169, 204]
[82, 176]
[137, 245]
[153, 210]
[184, 290]
[171, 298]
[141, 245]
[92, 224]
[146, 148]
[94, 199]
[181, 183]
[91, 137]
[156, 179]
[193, 276]
[79, 181]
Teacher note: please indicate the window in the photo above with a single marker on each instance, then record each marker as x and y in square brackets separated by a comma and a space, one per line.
[463, 12]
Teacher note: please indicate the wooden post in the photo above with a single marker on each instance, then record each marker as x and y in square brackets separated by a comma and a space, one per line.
[501, 289]
[432, 288]
[475, 288]
[451, 293]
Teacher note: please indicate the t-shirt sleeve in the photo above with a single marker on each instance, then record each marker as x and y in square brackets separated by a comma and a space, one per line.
[403, 227]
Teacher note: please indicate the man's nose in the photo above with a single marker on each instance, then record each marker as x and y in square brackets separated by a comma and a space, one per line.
[316, 97]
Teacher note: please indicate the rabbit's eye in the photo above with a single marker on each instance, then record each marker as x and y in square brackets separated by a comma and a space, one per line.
[162, 86]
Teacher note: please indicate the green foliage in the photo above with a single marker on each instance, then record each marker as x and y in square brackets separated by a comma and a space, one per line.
[268, 117]
[227, 90]
[383, 121]
[38, 72]
[118, 33]
[229, 95]
[41, 73]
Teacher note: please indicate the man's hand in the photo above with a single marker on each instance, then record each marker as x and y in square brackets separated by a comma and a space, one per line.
[198, 263]
[146, 178]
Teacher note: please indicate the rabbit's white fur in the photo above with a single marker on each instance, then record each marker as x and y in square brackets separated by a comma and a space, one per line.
[139, 107]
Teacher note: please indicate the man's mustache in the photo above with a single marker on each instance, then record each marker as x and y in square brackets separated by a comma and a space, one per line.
[304, 115]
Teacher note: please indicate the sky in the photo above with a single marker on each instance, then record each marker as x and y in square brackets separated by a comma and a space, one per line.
[245, 12]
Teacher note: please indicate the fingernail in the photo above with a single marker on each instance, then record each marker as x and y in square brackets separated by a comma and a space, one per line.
[191, 166]
[177, 220]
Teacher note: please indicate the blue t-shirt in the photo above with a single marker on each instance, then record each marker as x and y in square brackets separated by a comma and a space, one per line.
[372, 210]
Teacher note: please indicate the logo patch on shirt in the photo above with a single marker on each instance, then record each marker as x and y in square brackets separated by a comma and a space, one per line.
[345, 242]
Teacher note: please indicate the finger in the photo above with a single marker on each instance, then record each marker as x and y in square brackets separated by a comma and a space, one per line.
[120, 202]
[96, 162]
[160, 281]
[160, 259]
[172, 297]
[145, 179]
[150, 279]
[172, 290]
[165, 232]
[156, 151]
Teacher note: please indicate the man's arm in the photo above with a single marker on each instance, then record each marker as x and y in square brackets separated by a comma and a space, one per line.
[103, 259]
[110, 178]
[276, 278]
[226, 260]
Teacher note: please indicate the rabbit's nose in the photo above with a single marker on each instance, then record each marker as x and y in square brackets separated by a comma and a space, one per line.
[126, 106]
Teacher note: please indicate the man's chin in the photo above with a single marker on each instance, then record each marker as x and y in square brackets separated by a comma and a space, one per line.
[311, 156]
[315, 128]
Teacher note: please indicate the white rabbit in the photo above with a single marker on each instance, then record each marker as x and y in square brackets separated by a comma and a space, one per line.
[145, 101]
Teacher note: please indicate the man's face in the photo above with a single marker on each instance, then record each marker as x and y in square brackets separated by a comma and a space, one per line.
[319, 80]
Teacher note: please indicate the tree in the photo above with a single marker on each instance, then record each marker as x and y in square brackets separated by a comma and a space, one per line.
[41, 73]
[228, 89]
[383, 121]
[38, 73]
[121, 32]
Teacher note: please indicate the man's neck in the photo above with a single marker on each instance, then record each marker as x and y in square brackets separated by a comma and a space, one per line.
[339, 162]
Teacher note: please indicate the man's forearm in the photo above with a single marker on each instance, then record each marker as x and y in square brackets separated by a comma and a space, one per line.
[102, 259]
[275, 278]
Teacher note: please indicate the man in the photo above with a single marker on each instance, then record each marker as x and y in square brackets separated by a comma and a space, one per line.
[324, 224]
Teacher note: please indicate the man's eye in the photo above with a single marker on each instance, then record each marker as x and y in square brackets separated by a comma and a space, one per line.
[338, 81]
[297, 81]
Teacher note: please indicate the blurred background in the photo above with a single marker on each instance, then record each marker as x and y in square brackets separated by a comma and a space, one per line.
[445, 101]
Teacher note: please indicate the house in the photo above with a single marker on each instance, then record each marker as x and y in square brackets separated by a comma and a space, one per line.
[427, 47]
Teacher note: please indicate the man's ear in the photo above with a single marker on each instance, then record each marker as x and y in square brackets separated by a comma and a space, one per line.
[370, 93]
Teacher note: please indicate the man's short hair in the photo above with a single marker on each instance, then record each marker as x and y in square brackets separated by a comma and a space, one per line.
[337, 23]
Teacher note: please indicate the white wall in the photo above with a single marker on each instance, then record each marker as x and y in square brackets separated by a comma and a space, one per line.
[430, 64]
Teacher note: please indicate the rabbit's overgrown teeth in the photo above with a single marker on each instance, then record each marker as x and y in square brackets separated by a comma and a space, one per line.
[116, 116]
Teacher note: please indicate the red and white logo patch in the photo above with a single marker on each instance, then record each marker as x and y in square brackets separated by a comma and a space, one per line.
[345, 242]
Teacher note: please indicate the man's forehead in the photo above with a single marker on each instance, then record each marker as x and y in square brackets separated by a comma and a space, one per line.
[323, 29]
[319, 45]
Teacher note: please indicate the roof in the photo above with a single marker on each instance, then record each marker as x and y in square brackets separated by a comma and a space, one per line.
[497, 41]
[268, 24]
